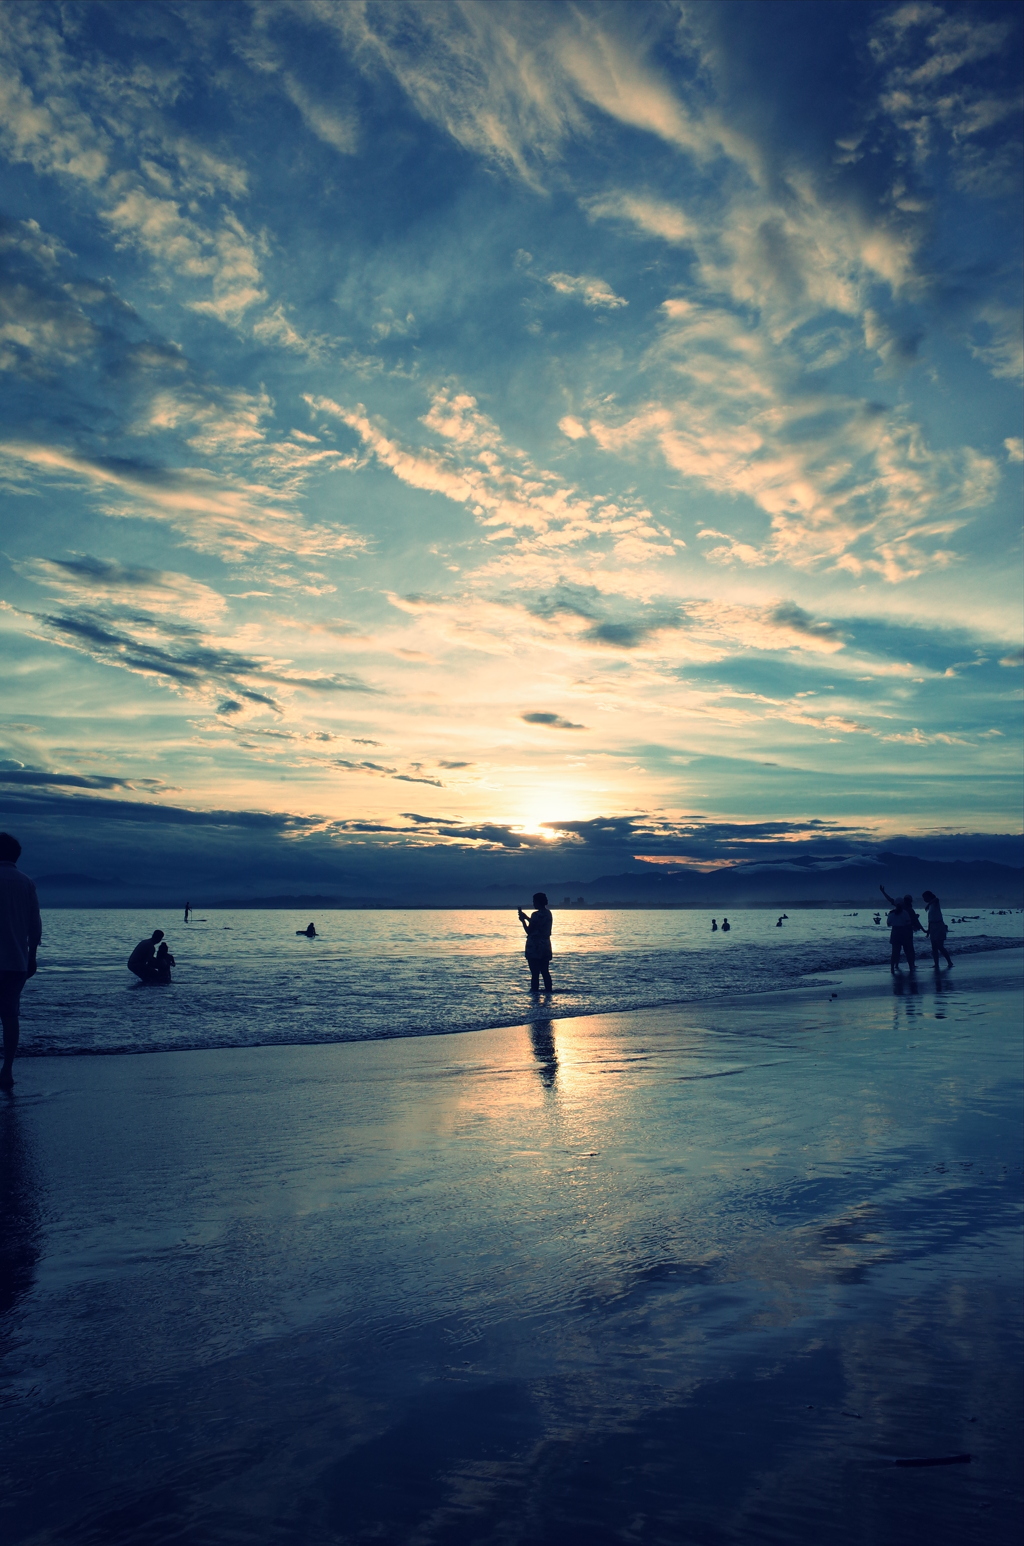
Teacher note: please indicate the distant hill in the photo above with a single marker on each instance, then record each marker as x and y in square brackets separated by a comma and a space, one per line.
[959, 883]
[304, 904]
[72, 882]
[803, 883]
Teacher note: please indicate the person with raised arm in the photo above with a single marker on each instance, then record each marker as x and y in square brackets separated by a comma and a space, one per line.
[538, 942]
[21, 929]
[903, 925]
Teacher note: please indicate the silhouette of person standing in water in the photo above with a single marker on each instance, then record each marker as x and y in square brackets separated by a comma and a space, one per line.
[188, 912]
[21, 930]
[936, 930]
[142, 957]
[726, 925]
[714, 925]
[162, 963]
[903, 924]
[538, 941]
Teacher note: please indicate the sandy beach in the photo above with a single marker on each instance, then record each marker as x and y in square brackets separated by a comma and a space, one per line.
[699, 1274]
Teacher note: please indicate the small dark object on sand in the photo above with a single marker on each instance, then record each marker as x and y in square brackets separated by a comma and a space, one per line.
[935, 1460]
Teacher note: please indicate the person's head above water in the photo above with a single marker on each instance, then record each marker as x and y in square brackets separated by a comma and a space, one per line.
[540, 899]
[10, 848]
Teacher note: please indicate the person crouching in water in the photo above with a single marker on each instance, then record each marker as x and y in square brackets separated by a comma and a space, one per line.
[903, 924]
[143, 957]
[538, 941]
[936, 929]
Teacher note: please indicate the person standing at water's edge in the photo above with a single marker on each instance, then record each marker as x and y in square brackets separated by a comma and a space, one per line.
[538, 941]
[936, 929]
[21, 929]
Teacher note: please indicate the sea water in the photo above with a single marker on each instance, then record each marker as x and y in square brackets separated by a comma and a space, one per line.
[246, 978]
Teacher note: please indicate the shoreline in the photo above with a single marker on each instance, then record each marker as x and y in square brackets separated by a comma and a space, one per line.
[713, 1266]
[863, 981]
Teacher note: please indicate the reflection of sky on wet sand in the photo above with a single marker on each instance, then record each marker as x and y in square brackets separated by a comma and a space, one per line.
[688, 1275]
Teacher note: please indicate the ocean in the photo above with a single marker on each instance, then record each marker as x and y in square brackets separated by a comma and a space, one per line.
[243, 978]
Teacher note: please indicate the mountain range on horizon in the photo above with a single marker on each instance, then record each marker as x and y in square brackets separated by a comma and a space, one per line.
[807, 881]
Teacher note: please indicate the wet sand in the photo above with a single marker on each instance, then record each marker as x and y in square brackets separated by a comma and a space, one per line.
[689, 1275]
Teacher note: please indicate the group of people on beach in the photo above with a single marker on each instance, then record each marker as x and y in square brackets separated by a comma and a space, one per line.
[904, 923]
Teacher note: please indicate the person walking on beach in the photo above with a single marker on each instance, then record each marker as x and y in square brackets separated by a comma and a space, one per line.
[21, 929]
[903, 924]
[538, 941]
[141, 959]
[936, 930]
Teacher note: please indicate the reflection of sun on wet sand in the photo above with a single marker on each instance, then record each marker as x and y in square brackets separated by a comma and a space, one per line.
[701, 1273]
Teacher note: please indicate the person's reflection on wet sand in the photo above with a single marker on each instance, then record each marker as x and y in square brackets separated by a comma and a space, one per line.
[19, 1211]
[542, 1039]
[906, 987]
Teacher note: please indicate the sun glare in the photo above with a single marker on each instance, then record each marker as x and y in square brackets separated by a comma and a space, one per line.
[550, 805]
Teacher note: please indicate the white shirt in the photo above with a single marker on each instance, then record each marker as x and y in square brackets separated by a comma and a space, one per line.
[20, 924]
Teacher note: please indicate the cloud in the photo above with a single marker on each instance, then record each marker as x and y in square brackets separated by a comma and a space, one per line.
[653, 216]
[573, 428]
[842, 481]
[108, 127]
[37, 778]
[514, 86]
[997, 339]
[214, 514]
[134, 619]
[1014, 449]
[928, 94]
[85, 580]
[595, 293]
[474, 466]
[340, 131]
[42, 324]
[552, 721]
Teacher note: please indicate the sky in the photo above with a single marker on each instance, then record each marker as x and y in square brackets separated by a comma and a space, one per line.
[454, 439]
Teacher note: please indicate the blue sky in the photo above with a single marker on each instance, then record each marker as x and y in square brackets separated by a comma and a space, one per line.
[438, 430]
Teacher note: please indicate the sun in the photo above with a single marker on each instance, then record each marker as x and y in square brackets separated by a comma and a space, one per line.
[558, 803]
